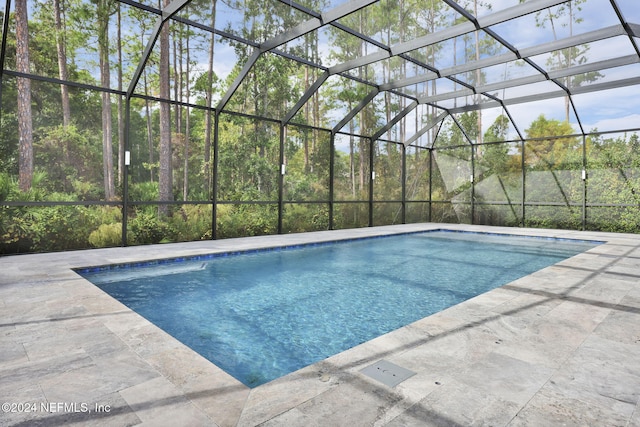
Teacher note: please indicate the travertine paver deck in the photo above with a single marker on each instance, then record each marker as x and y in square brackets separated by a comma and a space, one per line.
[558, 347]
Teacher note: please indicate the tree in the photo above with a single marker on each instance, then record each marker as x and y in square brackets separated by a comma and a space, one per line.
[165, 173]
[498, 130]
[495, 157]
[25, 125]
[121, 135]
[104, 11]
[208, 102]
[62, 62]
[266, 91]
[546, 145]
[345, 48]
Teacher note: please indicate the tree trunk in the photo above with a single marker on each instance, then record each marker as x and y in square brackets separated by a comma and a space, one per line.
[62, 63]
[209, 95]
[316, 99]
[105, 81]
[363, 121]
[165, 172]
[176, 36]
[120, 103]
[187, 133]
[25, 125]
[307, 112]
[478, 78]
[352, 160]
[177, 78]
[147, 109]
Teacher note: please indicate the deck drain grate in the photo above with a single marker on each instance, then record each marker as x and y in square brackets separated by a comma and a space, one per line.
[387, 373]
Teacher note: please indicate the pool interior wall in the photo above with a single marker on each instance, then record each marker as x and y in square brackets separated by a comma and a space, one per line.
[559, 346]
[261, 314]
[86, 270]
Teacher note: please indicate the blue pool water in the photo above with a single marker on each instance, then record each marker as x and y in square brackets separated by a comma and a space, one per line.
[263, 314]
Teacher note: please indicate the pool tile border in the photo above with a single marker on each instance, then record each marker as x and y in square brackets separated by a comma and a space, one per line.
[206, 257]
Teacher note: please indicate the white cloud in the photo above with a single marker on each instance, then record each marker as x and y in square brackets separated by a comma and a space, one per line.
[630, 121]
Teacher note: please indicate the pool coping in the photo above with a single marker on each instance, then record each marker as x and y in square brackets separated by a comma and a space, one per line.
[114, 357]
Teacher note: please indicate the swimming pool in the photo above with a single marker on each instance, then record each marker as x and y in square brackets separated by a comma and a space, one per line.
[262, 314]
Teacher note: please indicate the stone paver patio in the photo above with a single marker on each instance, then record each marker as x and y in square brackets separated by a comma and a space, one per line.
[558, 347]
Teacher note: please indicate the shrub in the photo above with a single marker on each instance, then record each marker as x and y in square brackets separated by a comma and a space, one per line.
[6, 186]
[147, 229]
[47, 229]
[247, 220]
[191, 222]
[144, 191]
[107, 235]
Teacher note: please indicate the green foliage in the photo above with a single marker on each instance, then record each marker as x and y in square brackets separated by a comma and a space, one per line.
[498, 130]
[246, 220]
[7, 185]
[109, 231]
[46, 229]
[300, 218]
[66, 154]
[42, 228]
[147, 228]
[107, 235]
[351, 215]
[144, 191]
[191, 222]
[86, 190]
[547, 147]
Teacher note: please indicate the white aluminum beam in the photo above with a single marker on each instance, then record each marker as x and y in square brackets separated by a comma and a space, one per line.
[517, 11]
[612, 31]
[536, 78]
[594, 66]
[295, 32]
[315, 23]
[591, 36]
[395, 120]
[430, 125]
[596, 87]
[359, 62]
[409, 81]
[305, 97]
[355, 111]
[448, 33]
[345, 9]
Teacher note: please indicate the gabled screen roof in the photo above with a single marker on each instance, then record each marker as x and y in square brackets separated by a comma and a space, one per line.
[568, 60]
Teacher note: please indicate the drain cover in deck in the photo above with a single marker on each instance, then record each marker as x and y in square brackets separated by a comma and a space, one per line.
[387, 373]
